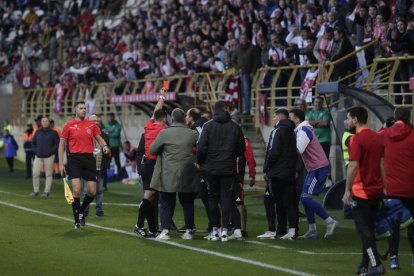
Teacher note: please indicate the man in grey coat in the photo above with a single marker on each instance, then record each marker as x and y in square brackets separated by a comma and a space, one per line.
[175, 172]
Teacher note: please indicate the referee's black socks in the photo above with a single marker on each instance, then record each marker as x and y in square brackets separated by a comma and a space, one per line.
[86, 201]
[146, 211]
[76, 209]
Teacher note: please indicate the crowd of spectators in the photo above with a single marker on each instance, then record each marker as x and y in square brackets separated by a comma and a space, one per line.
[165, 38]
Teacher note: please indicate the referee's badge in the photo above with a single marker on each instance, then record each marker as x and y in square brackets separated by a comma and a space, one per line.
[89, 131]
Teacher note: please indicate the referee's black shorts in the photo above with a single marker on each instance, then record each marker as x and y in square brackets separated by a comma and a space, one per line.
[82, 165]
[147, 173]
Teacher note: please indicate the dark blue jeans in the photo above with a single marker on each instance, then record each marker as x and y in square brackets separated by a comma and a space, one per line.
[246, 83]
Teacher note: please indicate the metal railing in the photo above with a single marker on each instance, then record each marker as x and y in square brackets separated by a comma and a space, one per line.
[57, 102]
[279, 86]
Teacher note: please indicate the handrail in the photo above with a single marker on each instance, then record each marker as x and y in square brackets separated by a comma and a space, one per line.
[363, 48]
[281, 84]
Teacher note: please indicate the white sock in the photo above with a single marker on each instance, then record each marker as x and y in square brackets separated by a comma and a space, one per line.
[214, 230]
[312, 227]
[291, 232]
[237, 232]
[329, 220]
[224, 232]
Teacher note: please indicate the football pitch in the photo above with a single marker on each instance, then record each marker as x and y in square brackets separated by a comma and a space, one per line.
[37, 238]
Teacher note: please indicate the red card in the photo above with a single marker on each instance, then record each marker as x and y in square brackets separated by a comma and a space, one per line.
[166, 85]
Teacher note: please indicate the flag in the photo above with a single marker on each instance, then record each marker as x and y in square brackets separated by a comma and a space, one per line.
[306, 88]
[68, 192]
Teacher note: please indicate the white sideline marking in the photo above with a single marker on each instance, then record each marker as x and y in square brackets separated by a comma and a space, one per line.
[179, 245]
[118, 204]
[328, 253]
[10, 193]
[93, 203]
[266, 244]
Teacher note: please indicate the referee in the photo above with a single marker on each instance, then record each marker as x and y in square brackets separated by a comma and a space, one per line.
[79, 134]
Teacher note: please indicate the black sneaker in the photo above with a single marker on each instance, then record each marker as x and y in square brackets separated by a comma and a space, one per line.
[362, 271]
[100, 214]
[376, 270]
[77, 226]
[244, 234]
[153, 235]
[82, 219]
[141, 232]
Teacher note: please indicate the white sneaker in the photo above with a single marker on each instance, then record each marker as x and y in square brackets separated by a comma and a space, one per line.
[330, 227]
[267, 235]
[163, 235]
[224, 237]
[288, 237]
[187, 235]
[310, 235]
[237, 235]
[214, 236]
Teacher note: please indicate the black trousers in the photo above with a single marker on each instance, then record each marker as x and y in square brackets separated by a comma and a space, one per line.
[284, 193]
[167, 207]
[10, 163]
[29, 160]
[364, 214]
[115, 154]
[409, 203]
[220, 190]
[203, 195]
[273, 213]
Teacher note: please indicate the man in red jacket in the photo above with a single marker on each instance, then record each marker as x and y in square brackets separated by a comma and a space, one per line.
[399, 162]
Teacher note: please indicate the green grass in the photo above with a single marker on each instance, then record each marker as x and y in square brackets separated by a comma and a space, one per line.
[35, 244]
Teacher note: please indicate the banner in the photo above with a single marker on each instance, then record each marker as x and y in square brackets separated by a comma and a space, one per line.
[306, 88]
[142, 98]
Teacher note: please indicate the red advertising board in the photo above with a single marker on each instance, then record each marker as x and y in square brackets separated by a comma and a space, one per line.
[142, 98]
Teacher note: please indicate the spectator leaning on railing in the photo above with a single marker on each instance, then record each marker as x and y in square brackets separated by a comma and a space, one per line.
[191, 36]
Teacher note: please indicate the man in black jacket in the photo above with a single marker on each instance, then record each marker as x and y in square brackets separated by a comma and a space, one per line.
[341, 47]
[220, 143]
[44, 145]
[280, 168]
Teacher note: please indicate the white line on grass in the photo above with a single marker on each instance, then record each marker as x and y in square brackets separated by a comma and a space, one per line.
[266, 244]
[118, 204]
[15, 194]
[328, 253]
[104, 203]
[179, 245]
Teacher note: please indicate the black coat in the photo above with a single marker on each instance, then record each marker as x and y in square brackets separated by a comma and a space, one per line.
[45, 142]
[198, 125]
[220, 143]
[281, 153]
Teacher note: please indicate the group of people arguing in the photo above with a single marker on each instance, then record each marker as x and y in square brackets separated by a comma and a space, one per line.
[197, 156]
